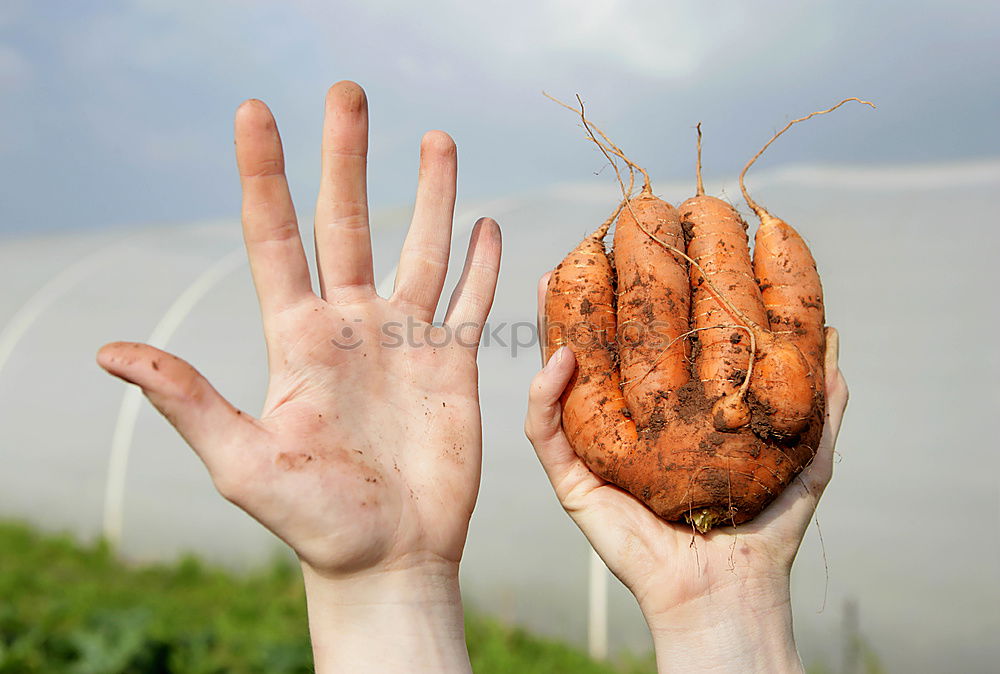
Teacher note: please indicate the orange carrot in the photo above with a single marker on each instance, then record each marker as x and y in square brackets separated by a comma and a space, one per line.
[793, 300]
[709, 438]
[579, 311]
[653, 307]
[717, 241]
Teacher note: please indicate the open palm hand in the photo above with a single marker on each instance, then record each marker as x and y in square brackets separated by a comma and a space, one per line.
[367, 453]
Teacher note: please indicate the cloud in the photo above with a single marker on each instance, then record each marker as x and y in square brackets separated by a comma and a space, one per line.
[659, 40]
[624, 34]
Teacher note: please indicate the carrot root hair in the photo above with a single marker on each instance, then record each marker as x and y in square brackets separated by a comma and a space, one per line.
[741, 393]
[607, 146]
[759, 210]
[602, 230]
[747, 321]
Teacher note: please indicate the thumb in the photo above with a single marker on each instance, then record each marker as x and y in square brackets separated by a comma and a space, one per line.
[544, 419]
[205, 419]
[543, 425]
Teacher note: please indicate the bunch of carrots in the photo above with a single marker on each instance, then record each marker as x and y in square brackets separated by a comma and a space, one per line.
[699, 383]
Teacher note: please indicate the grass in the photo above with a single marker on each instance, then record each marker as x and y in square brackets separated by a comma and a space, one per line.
[71, 608]
[67, 607]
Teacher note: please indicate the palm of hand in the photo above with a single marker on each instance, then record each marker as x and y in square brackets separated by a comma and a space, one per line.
[376, 438]
[666, 564]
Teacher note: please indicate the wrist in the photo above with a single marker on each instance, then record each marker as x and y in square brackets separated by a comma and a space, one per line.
[404, 619]
[745, 626]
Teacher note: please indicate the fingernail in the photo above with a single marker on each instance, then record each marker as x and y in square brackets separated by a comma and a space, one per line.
[833, 338]
[556, 357]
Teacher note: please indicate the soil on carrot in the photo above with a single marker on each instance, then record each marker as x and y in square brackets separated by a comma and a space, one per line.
[719, 427]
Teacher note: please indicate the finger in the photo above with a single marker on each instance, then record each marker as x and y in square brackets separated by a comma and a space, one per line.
[836, 402]
[215, 429]
[343, 243]
[423, 263]
[817, 475]
[836, 386]
[544, 420]
[473, 296]
[541, 323]
[270, 230]
[543, 425]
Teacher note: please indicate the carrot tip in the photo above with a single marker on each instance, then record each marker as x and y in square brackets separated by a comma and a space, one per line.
[705, 518]
[730, 412]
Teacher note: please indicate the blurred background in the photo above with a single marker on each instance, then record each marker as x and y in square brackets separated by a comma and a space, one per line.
[119, 206]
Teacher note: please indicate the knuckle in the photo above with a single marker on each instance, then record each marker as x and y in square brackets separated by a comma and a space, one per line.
[279, 231]
[842, 385]
[284, 230]
[474, 299]
[536, 391]
[540, 427]
[484, 268]
[351, 215]
[427, 255]
[191, 390]
[838, 385]
[266, 167]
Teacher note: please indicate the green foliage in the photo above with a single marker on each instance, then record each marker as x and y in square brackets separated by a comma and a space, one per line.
[496, 648]
[75, 609]
[67, 608]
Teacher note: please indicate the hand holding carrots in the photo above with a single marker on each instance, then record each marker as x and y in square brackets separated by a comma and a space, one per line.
[687, 412]
[366, 458]
[718, 598]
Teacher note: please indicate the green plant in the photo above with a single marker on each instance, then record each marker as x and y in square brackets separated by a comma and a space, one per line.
[75, 609]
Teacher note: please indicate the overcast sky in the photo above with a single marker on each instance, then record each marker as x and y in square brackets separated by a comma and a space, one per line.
[119, 113]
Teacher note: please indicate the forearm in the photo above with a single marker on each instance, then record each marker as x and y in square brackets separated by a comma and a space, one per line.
[742, 628]
[389, 621]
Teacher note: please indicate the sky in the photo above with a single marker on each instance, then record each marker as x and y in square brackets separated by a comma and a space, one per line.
[119, 113]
